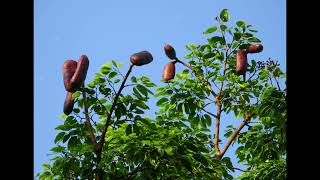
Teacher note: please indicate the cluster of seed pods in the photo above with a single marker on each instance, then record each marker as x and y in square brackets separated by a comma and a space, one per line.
[74, 74]
[169, 69]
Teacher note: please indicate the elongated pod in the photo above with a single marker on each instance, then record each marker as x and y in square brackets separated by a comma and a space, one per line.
[141, 58]
[169, 71]
[68, 104]
[170, 52]
[241, 62]
[68, 70]
[80, 73]
[255, 48]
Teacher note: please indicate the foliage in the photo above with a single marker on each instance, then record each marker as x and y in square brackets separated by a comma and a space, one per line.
[178, 142]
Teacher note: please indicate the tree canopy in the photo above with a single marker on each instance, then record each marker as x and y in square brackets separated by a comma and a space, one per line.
[108, 135]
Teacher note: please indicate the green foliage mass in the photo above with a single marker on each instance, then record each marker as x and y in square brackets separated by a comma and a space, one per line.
[177, 143]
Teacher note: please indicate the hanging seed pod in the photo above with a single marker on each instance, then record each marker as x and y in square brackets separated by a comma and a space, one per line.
[241, 62]
[169, 71]
[80, 73]
[141, 58]
[255, 48]
[68, 104]
[170, 52]
[68, 70]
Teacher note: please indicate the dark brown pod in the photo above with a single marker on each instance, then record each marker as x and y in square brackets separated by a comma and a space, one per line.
[68, 69]
[141, 58]
[170, 52]
[80, 73]
[255, 48]
[68, 104]
[169, 71]
[241, 62]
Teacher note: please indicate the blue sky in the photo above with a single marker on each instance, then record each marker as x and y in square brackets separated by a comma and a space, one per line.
[115, 29]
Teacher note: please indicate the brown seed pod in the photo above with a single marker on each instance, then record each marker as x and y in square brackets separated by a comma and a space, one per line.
[241, 62]
[68, 69]
[68, 104]
[80, 73]
[169, 71]
[141, 58]
[255, 48]
[170, 52]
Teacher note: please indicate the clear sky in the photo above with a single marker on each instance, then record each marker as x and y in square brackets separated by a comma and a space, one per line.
[115, 29]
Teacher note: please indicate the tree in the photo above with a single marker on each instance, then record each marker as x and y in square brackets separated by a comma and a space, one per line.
[107, 136]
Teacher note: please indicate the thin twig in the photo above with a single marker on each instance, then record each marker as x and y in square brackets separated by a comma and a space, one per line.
[114, 91]
[207, 104]
[255, 71]
[209, 112]
[117, 69]
[277, 83]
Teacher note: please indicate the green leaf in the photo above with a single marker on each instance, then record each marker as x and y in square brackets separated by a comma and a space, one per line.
[168, 150]
[161, 101]
[136, 93]
[240, 23]
[236, 37]
[145, 79]
[223, 27]
[221, 78]
[208, 119]
[57, 149]
[59, 137]
[74, 142]
[118, 113]
[76, 110]
[45, 175]
[76, 94]
[65, 138]
[60, 127]
[215, 39]
[224, 15]
[114, 63]
[254, 40]
[116, 81]
[105, 70]
[112, 74]
[210, 30]
[133, 79]
[63, 116]
[199, 157]
[252, 30]
[243, 46]
[129, 129]
[142, 89]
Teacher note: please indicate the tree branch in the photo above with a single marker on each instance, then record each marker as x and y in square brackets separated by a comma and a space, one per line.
[219, 107]
[198, 76]
[113, 107]
[234, 135]
[92, 137]
[100, 173]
